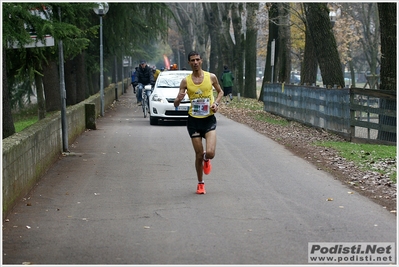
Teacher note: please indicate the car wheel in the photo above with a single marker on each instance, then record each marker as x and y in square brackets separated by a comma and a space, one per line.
[153, 120]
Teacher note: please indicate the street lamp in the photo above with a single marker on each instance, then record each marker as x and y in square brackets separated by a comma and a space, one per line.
[101, 10]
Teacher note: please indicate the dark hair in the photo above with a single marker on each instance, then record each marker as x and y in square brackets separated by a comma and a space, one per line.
[225, 67]
[193, 53]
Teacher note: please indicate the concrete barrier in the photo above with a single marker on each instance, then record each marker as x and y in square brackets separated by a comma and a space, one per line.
[27, 155]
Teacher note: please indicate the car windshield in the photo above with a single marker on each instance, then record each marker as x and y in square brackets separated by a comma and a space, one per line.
[170, 81]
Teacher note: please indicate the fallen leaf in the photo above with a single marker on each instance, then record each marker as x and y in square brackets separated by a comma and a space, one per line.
[329, 199]
[28, 227]
[341, 207]
[146, 227]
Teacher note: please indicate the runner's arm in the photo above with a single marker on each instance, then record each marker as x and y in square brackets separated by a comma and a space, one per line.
[216, 85]
[182, 92]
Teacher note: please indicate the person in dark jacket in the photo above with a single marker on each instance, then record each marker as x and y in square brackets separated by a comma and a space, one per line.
[144, 76]
[227, 81]
[133, 78]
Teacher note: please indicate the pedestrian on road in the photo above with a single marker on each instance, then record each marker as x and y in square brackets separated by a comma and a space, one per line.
[133, 78]
[144, 76]
[201, 121]
[155, 72]
[227, 81]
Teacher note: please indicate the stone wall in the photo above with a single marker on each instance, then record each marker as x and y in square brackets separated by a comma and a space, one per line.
[27, 155]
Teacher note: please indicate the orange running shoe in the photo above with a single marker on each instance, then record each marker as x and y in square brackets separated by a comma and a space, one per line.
[201, 188]
[207, 165]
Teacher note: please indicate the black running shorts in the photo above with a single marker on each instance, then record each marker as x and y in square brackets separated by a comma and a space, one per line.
[227, 91]
[198, 127]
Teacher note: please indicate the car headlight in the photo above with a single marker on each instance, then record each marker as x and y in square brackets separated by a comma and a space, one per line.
[157, 98]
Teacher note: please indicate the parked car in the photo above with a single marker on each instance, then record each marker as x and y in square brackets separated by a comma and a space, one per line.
[165, 91]
[295, 79]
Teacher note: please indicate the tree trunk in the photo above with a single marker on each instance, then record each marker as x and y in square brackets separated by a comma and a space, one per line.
[236, 10]
[227, 44]
[318, 21]
[250, 51]
[353, 74]
[368, 14]
[41, 103]
[183, 22]
[273, 35]
[212, 21]
[387, 13]
[82, 91]
[284, 55]
[309, 66]
[115, 70]
[51, 83]
[388, 72]
[8, 123]
[95, 83]
[70, 82]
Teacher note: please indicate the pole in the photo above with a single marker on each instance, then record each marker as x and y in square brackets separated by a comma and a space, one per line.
[272, 58]
[116, 77]
[64, 125]
[101, 68]
[122, 74]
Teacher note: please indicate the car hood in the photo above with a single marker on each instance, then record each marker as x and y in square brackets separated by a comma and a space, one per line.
[167, 92]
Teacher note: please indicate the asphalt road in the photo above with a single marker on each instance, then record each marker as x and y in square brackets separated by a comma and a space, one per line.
[126, 195]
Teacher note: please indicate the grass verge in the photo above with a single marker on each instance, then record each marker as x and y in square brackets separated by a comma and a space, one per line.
[367, 156]
[26, 117]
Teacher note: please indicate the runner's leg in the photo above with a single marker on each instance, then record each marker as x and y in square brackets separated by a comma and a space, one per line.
[210, 138]
[199, 153]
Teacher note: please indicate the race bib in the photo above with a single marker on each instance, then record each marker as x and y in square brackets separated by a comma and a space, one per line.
[201, 106]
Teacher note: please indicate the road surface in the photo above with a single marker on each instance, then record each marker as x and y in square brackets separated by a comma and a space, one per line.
[126, 195]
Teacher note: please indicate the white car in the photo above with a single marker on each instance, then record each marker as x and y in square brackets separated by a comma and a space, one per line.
[165, 91]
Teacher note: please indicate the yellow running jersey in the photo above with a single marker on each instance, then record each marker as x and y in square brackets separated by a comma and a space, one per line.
[201, 96]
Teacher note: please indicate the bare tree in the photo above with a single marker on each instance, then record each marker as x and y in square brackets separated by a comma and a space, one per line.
[250, 50]
[309, 66]
[284, 36]
[190, 21]
[213, 22]
[318, 22]
[8, 122]
[273, 35]
[51, 86]
[238, 52]
[387, 13]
